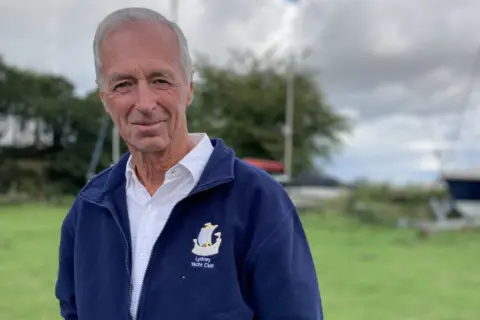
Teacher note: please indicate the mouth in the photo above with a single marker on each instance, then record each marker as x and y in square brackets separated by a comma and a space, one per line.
[147, 124]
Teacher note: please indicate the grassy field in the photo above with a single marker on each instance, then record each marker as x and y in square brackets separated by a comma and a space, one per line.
[364, 272]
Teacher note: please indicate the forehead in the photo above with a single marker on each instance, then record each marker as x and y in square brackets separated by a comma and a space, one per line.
[140, 45]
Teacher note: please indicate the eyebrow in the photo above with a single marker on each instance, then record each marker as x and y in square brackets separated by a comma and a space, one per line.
[116, 77]
[120, 77]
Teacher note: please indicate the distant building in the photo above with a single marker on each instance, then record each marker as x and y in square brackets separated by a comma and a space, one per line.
[15, 133]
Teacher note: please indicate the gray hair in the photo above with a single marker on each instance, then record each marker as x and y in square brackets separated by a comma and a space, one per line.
[122, 16]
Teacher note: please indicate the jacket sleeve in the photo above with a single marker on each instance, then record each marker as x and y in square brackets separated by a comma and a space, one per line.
[285, 284]
[65, 285]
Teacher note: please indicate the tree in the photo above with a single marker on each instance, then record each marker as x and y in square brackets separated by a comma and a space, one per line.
[243, 103]
[65, 131]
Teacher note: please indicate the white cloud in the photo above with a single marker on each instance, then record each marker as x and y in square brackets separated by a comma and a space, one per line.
[406, 147]
[428, 162]
[390, 39]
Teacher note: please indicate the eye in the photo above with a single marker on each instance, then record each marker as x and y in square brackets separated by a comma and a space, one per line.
[121, 86]
[161, 83]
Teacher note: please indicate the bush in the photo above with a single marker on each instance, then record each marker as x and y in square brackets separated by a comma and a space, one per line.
[385, 205]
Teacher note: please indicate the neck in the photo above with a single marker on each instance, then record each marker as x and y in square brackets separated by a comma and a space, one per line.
[151, 167]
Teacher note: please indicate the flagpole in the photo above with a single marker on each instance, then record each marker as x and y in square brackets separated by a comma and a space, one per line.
[174, 10]
[290, 100]
[289, 114]
[115, 144]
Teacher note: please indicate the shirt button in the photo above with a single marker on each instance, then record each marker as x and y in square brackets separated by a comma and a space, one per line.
[150, 208]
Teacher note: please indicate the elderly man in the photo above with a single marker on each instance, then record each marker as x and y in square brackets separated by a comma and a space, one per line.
[179, 228]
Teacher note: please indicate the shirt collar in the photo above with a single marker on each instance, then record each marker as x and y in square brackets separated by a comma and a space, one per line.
[194, 161]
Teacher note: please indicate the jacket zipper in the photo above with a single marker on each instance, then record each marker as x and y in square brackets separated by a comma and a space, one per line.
[156, 241]
[127, 250]
[127, 267]
[148, 263]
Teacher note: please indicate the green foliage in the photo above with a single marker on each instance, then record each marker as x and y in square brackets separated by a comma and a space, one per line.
[410, 196]
[66, 131]
[384, 204]
[244, 104]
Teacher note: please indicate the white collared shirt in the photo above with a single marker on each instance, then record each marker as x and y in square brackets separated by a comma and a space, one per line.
[148, 214]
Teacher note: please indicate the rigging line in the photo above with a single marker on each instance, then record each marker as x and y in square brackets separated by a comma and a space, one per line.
[463, 106]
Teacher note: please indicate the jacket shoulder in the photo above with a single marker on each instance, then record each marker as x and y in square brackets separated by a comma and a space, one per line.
[96, 184]
[253, 177]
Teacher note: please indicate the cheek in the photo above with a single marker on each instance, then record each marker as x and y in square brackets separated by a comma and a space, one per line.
[115, 114]
[118, 112]
[174, 104]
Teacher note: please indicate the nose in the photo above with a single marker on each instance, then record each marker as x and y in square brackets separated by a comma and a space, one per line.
[146, 101]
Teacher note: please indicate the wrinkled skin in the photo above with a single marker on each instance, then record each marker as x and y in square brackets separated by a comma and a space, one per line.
[146, 93]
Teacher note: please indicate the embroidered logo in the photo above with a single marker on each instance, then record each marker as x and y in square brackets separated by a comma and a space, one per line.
[203, 246]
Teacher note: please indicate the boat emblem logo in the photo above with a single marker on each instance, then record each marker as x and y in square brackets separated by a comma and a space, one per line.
[203, 245]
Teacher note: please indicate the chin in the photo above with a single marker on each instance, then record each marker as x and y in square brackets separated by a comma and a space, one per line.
[150, 146]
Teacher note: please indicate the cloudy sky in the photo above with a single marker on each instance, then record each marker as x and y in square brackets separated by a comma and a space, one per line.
[397, 68]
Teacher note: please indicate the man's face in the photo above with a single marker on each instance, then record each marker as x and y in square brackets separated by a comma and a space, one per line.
[144, 88]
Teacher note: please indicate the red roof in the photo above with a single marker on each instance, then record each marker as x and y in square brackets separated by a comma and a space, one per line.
[270, 166]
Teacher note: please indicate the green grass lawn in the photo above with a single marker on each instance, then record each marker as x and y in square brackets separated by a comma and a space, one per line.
[364, 273]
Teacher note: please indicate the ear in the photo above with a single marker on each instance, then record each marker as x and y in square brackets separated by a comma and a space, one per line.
[103, 97]
[190, 94]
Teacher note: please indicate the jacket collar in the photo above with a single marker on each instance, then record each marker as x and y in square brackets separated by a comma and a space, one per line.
[219, 169]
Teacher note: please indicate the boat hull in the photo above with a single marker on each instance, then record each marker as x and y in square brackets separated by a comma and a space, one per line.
[466, 195]
[464, 189]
